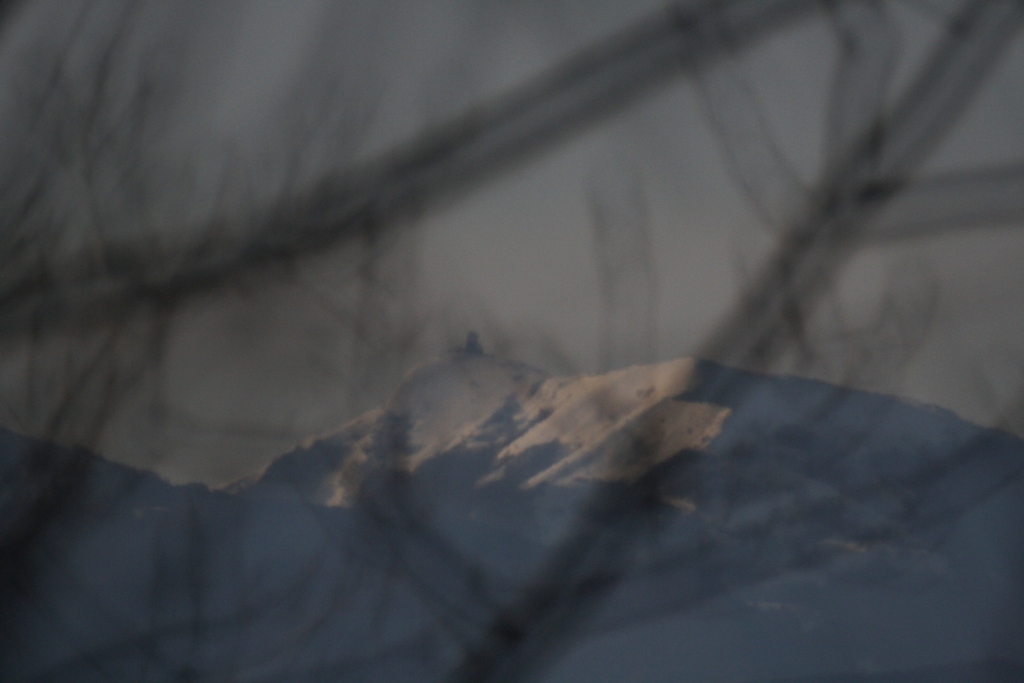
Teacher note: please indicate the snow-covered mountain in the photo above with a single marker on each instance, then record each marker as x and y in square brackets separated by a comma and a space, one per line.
[389, 549]
[483, 438]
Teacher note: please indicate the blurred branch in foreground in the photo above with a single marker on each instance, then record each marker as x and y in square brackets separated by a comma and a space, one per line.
[593, 559]
[759, 517]
[361, 202]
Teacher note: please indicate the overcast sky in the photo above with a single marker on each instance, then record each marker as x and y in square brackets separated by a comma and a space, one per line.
[257, 368]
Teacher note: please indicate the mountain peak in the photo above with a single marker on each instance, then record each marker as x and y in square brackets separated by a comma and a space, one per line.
[516, 425]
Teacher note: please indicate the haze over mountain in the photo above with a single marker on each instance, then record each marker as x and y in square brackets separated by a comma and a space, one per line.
[759, 527]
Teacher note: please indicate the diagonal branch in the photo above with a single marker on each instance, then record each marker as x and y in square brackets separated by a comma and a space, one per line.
[440, 164]
[951, 202]
[864, 180]
[756, 333]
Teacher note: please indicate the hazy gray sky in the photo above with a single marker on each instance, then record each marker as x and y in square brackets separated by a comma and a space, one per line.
[260, 367]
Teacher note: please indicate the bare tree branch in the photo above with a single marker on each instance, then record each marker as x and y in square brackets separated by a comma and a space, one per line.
[360, 202]
[529, 631]
[869, 175]
[953, 202]
[625, 267]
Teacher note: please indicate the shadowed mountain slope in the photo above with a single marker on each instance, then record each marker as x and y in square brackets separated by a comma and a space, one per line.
[378, 552]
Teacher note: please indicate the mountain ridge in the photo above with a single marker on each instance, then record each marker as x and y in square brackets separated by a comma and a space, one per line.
[419, 518]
